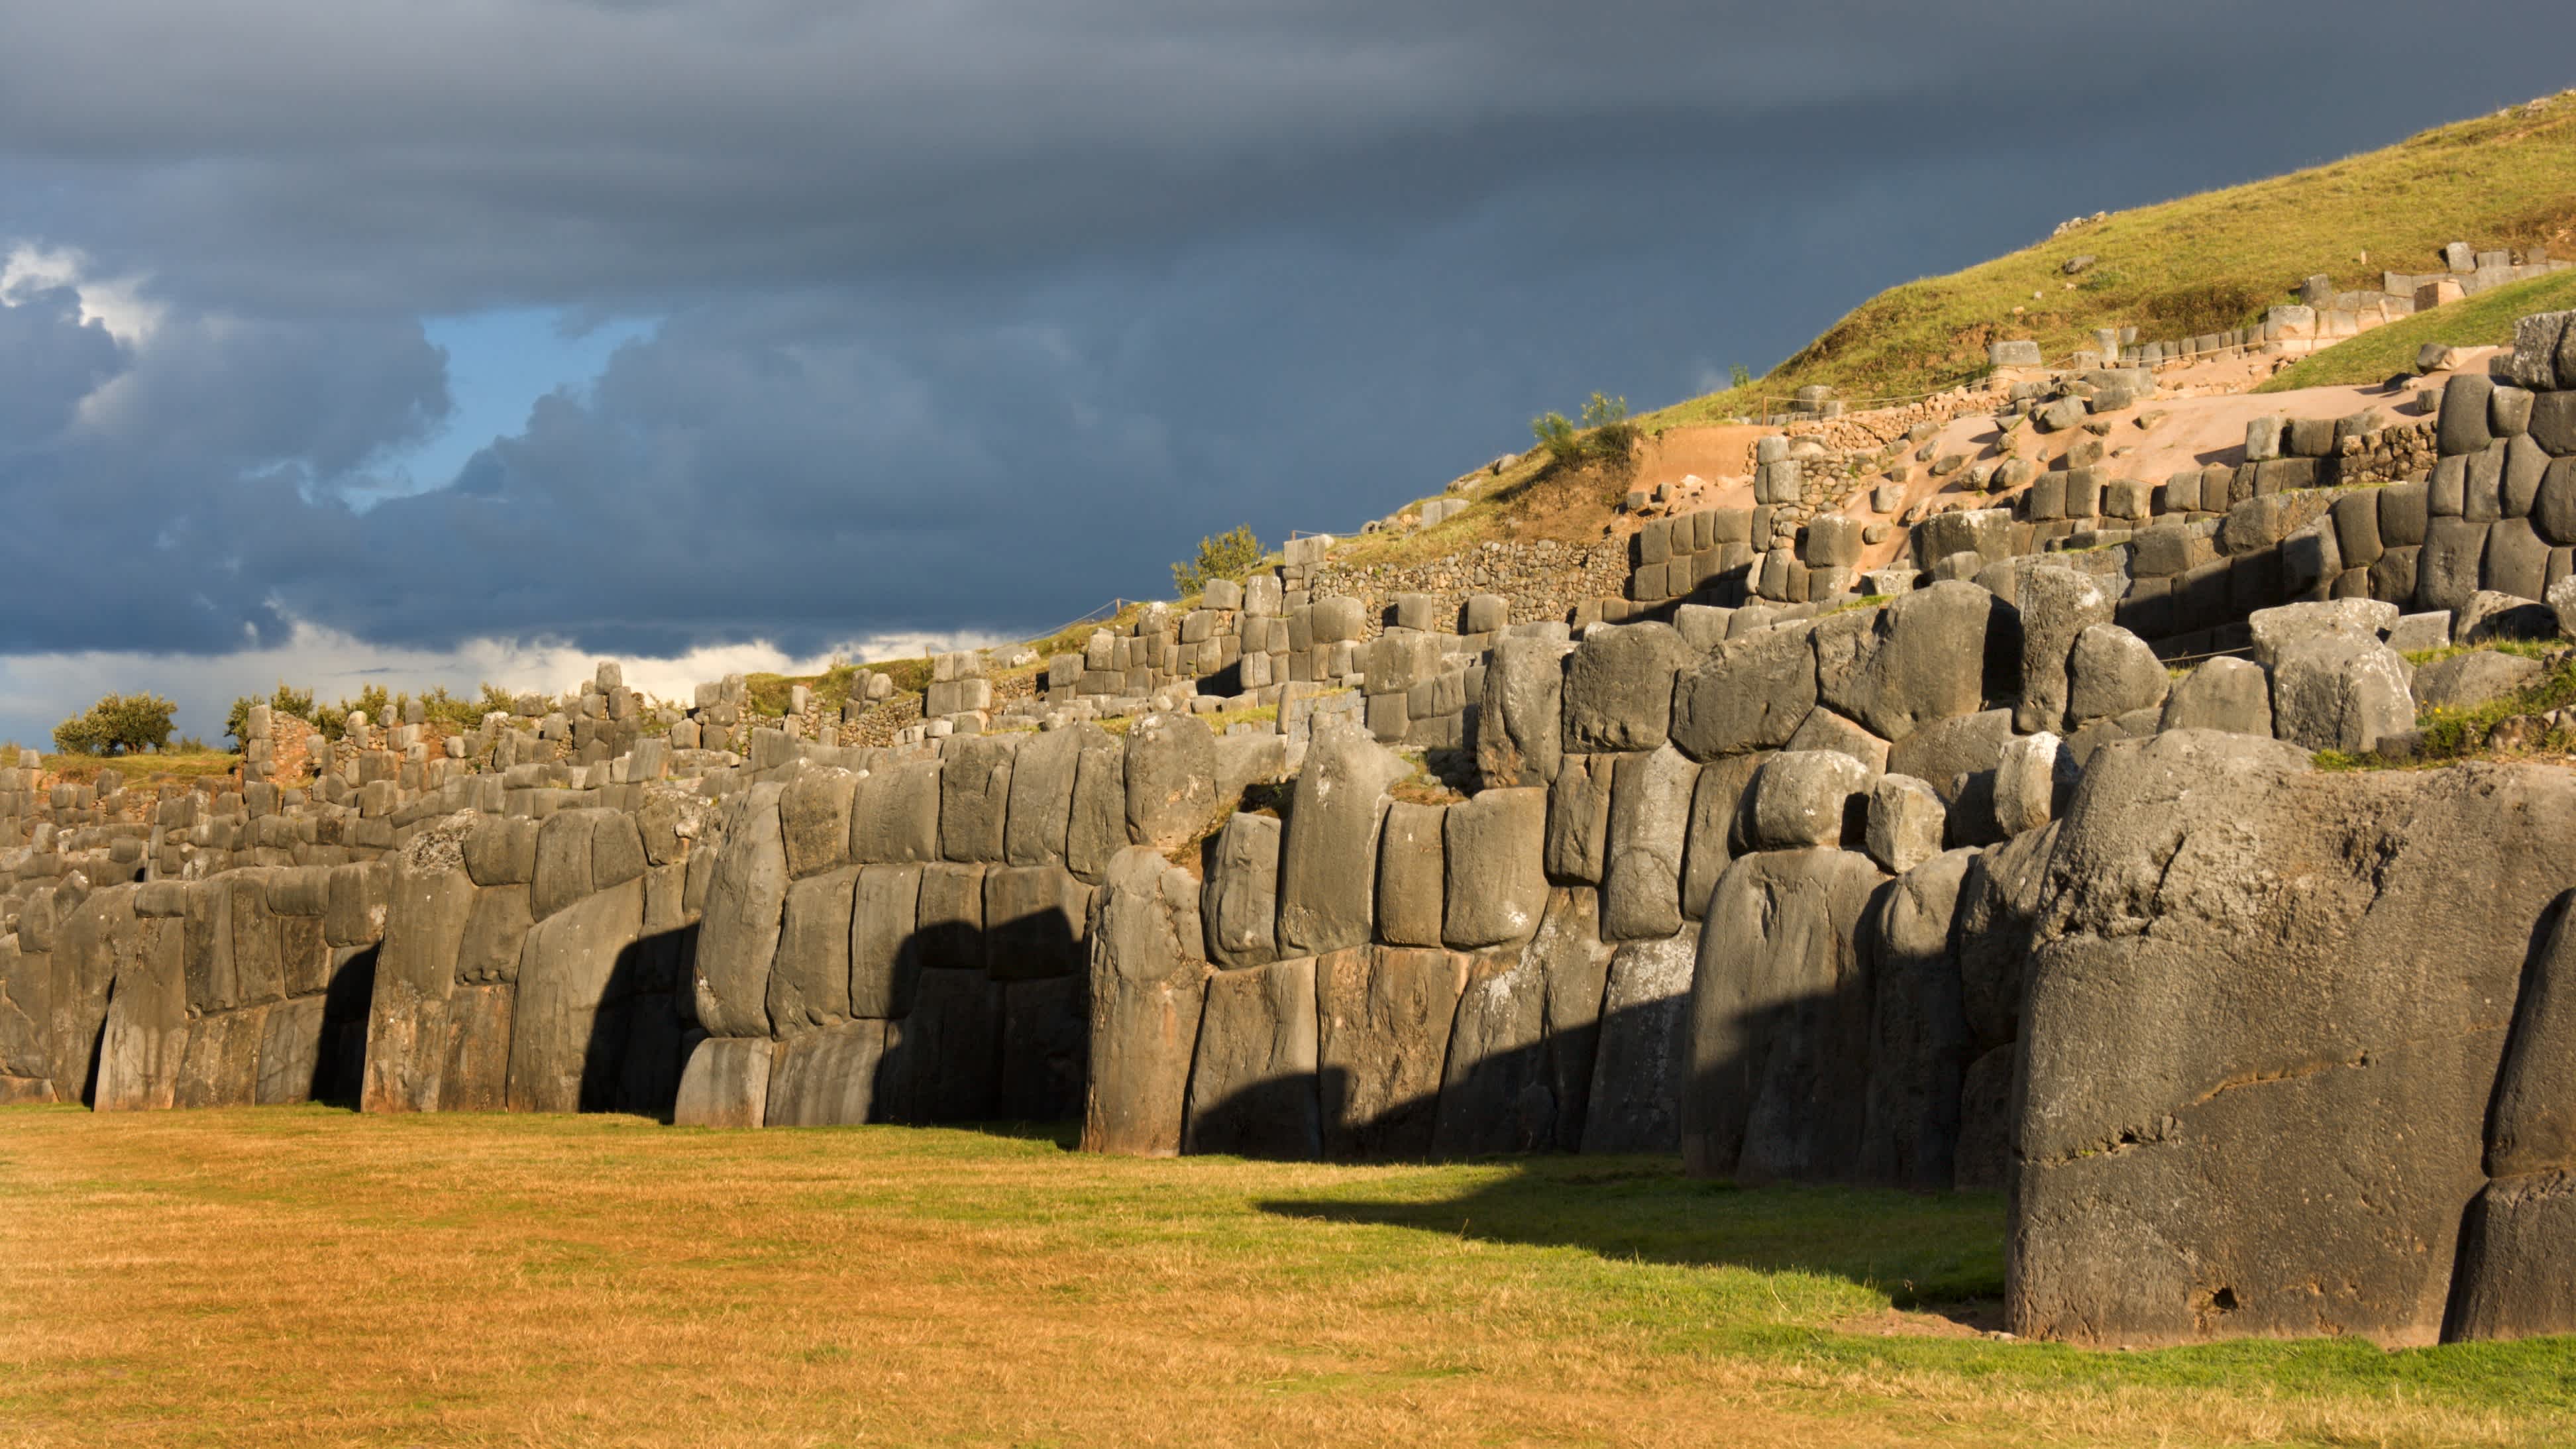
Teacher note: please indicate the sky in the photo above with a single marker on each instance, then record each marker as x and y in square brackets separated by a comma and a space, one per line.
[372, 341]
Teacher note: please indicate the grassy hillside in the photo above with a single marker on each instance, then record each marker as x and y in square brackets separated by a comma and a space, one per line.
[2203, 262]
[2484, 320]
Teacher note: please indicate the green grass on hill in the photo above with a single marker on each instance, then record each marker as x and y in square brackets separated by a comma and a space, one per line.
[2203, 262]
[294, 1276]
[2484, 320]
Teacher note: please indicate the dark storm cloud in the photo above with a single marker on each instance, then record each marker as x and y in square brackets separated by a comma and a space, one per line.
[979, 312]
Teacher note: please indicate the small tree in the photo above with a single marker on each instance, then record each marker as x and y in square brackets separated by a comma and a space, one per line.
[1604, 436]
[119, 724]
[1740, 375]
[1229, 555]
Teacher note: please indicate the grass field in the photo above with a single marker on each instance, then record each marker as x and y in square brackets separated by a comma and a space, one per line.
[305, 1276]
[2202, 263]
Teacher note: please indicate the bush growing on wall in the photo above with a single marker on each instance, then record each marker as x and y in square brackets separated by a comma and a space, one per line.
[1604, 436]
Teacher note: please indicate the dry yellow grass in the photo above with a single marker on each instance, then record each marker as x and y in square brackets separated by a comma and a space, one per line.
[303, 1276]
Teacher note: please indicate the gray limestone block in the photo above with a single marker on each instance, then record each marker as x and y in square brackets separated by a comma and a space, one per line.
[2536, 342]
[2482, 495]
[2112, 672]
[1046, 1049]
[1833, 541]
[1328, 850]
[1383, 1019]
[1148, 987]
[1485, 613]
[1826, 730]
[1170, 779]
[725, 1084]
[1578, 818]
[746, 901]
[1619, 686]
[502, 850]
[809, 981]
[1777, 1084]
[2464, 426]
[1096, 830]
[1752, 694]
[1650, 805]
[2262, 439]
[2509, 412]
[1907, 823]
[2056, 605]
[2340, 690]
[2356, 525]
[1918, 1046]
[949, 926]
[1494, 849]
[563, 873]
[2451, 565]
[356, 916]
[814, 819]
[1520, 725]
[2514, 1274]
[894, 813]
[2516, 560]
[2553, 510]
[2553, 423]
[2465, 681]
[943, 1061]
[1717, 803]
[826, 1078]
[2033, 779]
[1041, 799]
[290, 1053]
[2232, 695]
[1497, 1087]
[428, 897]
[496, 931]
[144, 1039]
[1239, 903]
[1254, 1089]
[1941, 752]
[975, 794]
[2415, 633]
[2562, 606]
[1246, 760]
[2328, 1053]
[2490, 615]
[1338, 618]
[2404, 514]
[1410, 872]
[573, 976]
[885, 948]
[2446, 492]
[1805, 798]
[1909, 662]
[2526, 468]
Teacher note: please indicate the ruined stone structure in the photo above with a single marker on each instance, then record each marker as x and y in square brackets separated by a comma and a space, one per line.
[1955, 883]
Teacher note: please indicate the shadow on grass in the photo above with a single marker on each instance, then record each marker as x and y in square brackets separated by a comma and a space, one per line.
[1940, 1252]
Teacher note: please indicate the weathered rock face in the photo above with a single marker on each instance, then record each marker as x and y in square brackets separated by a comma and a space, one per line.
[1619, 686]
[1253, 1089]
[1148, 984]
[2278, 982]
[726, 1083]
[1750, 695]
[1328, 854]
[1171, 779]
[1383, 1015]
[568, 1030]
[1492, 849]
[1919, 1042]
[429, 895]
[1520, 726]
[746, 911]
[1780, 1020]
[1919, 659]
[1240, 902]
[1641, 1068]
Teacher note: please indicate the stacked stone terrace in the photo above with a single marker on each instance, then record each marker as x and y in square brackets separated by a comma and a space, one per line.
[1950, 885]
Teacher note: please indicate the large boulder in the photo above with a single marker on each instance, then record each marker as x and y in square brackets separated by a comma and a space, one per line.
[975, 794]
[2232, 695]
[428, 897]
[2264, 1021]
[824, 1078]
[1497, 1089]
[1641, 1066]
[1919, 659]
[1780, 1020]
[1171, 780]
[1573, 965]
[1328, 852]
[1619, 686]
[894, 813]
[1041, 808]
[725, 1084]
[2470, 679]
[1750, 695]
[1650, 806]
[1806, 798]
[1493, 850]
[1409, 875]
[2517, 1273]
[2057, 604]
[2341, 690]
[567, 1028]
[1918, 1028]
[745, 911]
[1240, 902]
[1253, 1088]
[1148, 985]
[1383, 1017]
[1520, 726]
[2112, 672]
